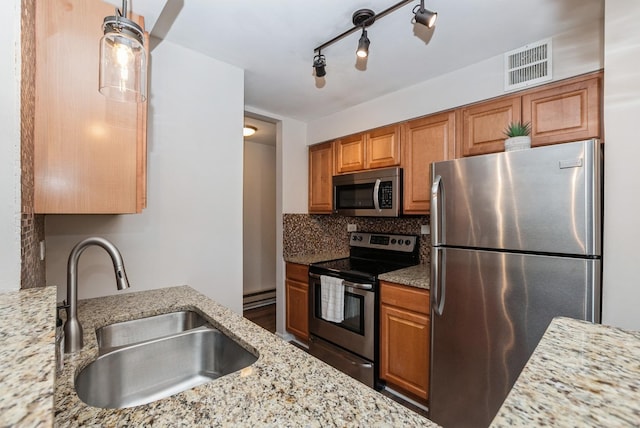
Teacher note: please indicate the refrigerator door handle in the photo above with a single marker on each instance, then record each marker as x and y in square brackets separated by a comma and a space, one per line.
[376, 193]
[437, 280]
[437, 193]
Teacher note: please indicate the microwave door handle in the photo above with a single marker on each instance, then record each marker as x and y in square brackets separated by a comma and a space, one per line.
[376, 195]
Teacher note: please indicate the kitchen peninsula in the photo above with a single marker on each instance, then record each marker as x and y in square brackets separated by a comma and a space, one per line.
[285, 387]
[581, 374]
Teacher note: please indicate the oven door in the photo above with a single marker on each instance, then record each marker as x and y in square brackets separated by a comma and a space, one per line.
[356, 332]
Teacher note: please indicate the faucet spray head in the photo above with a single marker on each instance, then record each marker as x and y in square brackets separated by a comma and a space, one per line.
[122, 282]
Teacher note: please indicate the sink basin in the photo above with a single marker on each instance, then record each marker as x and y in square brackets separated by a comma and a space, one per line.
[115, 336]
[145, 372]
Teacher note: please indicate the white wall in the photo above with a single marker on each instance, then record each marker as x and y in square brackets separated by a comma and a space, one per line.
[10, 147]
[575, 52]
[621, 283]
[291, 191]
[259, 217]
[191, 231]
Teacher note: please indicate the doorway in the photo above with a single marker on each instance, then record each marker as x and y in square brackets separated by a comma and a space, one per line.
[259, 223]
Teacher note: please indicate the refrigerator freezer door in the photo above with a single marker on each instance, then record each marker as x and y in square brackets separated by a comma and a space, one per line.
[496, 308]
[545, 199]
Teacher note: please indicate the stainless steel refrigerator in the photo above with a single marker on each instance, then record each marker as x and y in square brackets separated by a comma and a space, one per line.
[516, 241]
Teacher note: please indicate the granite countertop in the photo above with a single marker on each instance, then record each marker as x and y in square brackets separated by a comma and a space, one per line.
[27, 357]
[580, 374]
[414, 276]
[284, 387]
[307, 259]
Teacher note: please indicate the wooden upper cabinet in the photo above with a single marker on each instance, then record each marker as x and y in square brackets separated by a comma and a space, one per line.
[382, 147]
[425, 140]
[378, 148]
[482, 125]
[320, 178]
[568, 112]
[89, 151]
[349, 152]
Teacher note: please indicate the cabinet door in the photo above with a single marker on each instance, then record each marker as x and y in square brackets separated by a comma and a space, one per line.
[425, 140]
[564, 113]
[483, 125]
[320, 178]
[298, 308]
[89, 151]
[404, 349]
[383, 147]
[350, 153]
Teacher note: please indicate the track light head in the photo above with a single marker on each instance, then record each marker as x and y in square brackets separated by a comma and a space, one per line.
[319, 63]
[363, 45]
[424, 16]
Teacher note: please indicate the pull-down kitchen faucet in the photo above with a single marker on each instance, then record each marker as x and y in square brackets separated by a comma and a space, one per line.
[72, 328]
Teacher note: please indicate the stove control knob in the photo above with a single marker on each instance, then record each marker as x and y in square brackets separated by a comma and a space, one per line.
[393, 241]
[359, 238]
[354, 238]
[407, 242]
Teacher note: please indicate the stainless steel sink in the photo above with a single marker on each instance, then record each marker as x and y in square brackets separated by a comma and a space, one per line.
[115, 336]
[145, 372]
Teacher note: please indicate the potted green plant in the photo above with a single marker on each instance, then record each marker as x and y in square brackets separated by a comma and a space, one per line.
[517, 136]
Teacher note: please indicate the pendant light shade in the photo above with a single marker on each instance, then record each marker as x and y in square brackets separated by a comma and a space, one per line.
[123, 59]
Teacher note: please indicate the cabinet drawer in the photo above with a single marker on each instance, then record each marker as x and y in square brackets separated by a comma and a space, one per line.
[406, 297]
[297, 272]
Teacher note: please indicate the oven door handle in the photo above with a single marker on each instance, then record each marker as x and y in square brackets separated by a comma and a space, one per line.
[349, 283]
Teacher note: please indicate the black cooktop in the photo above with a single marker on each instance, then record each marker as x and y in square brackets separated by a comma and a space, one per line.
[356, 267]
[371, 254]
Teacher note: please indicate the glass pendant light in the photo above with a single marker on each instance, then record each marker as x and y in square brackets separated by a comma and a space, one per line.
[123, 59]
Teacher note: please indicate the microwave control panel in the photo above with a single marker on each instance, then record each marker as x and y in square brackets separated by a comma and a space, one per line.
[385, 195]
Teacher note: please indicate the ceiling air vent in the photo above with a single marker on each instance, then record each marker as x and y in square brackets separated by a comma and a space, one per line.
[528, 65]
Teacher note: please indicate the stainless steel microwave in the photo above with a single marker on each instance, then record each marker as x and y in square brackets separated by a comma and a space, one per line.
[374, 193]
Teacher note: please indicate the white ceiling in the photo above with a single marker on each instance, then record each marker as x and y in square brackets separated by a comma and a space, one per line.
[273, 42]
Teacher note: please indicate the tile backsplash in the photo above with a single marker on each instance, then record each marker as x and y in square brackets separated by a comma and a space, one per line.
[317, 234]
[32, 225]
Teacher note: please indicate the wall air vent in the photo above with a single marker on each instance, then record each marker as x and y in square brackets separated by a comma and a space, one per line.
[528, 65]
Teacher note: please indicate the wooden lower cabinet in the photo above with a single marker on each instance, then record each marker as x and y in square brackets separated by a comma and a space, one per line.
[405, 339]
[297, 296]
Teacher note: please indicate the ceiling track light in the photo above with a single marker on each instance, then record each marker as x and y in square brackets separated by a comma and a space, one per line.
[123, 58]
[363, 18]
[363, 45]
[319, 63]
[424, 16]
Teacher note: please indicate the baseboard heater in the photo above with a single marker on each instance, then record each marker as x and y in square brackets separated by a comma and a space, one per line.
[258, 299]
